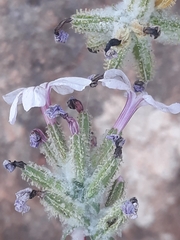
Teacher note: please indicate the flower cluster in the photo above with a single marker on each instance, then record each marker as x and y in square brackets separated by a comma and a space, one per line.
[82, 186]
[82, 170]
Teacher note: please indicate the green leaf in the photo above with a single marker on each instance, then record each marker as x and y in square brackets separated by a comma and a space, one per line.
[78, 191]
[57, 143]
[65, 208]
[84, 124]
[104, 151]
[42, 177]
[84, 121]
[115, 193]
[143, 57]
[102, 177]
[146, 7]
[91, 21]
[131, 4]
[113, 212]
[77, 155]
[110, 222]
[49, 154]
[97, 42]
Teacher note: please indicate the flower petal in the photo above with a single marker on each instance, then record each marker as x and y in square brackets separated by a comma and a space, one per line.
[9, 166]
[34, 97]
[117, 74]
[69, 84]
[10, 97]
[22, 208]
[13, 109]
[173, 108]
[116, 79]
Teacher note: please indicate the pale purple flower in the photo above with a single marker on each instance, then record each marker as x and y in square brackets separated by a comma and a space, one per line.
[116, 79]
[36, 137]
[61, 36]
[55, 111]
[139, 86]
[21, 198]
[110, 54]
[130, 208]
[118, 140]
[11, 166]
[39, 96]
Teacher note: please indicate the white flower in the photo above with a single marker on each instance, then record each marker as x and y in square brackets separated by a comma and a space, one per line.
[39, 96]
[116, 79]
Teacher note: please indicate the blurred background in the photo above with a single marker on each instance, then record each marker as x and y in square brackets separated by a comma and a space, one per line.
[151, 166]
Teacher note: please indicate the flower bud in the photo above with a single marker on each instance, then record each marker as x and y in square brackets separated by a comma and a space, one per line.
[23, 196]
[130, 208]
[10, 166]
[138, 86]
[36, 137]
[54, 111]
[110, 54]
[75, 104]
[61, 36]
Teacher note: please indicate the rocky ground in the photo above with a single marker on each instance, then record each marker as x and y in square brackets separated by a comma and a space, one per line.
[151, 168]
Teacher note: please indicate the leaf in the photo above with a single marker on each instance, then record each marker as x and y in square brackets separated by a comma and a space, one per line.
[143, 57]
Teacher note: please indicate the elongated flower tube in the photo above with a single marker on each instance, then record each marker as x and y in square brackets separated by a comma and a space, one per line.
[136, 97]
